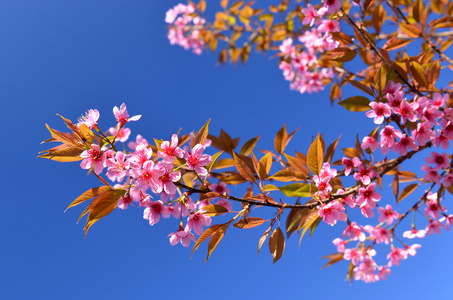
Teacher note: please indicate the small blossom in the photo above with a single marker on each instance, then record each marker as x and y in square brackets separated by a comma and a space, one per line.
[170, 150]
[93, 157]
[90, 119]
[379, 112]
[434, 226]
[349, 164]
[122, 135]
[197, 161]
[122, 116]
[197, 221]
[414, 233]
[396, 256]
[387, 214]
[332, 212]
[182, 235]
[341, 245]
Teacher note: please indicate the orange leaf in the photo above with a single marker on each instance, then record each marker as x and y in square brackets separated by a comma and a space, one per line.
[243, 168]
[315, 156]
[91, 193]
[277, 244]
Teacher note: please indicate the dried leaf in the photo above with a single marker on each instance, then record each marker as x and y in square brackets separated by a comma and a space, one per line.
[213, 210]
[91, 193]
[315, 156]
[277, 244]
[249, 222]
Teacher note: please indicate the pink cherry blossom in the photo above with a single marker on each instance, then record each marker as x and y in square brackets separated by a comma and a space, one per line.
[355, 232]
[124, 201]
[220, 188]
[154, 210]
[396, 256]
[380, 234]
[118, 167]
[392, 87]
[122, 135]
[448, 179]
[90, 119]
[434, 226]
[350, 164]
[403, 145]
[433, 208]
[310, 15]
[122, 116]
[414, 233]
[369, 142]
[423, 133]
[441, 160]
[406, 111]
[93, 158]
[332, 212]
[197, 161]
[148, 175]
[448, 221]
[412, 249]
[332, 5]
[139, 141]
[365, 174]
[196, 222]
[165, 181]
[170, 150]
[341, 245]
[225, 203]
[379, 112]
[141, 155]
[441, 139]
[353, 255]
[431, 174]
[383, 272]
[184, 236]
[387, 214]
[368, 197]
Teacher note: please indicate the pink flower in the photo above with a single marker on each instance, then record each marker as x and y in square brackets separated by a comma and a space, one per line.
[122, 135]
[225, 203]
[124, 201]
[403, 144]
[388, 135]
[331, 212]
[349, 164]
[118, 167]
[310, 15]
[332, 5]
[154, 210]
[353, 255]
[407, 111]
[90, 119]
[368, 197]
[434, 226]
[197, 221]
[369, 142]
[433, 208]
[423, 133]
[182, 235]
[287, 47]
[170, 149]
[379, 112]
[396, 256]
[329, 26]
[392, 87]
[387, 214]
[410, 234]
[448, 221]
[355, 232]
[220, 188]
[148, 175]
[380, 234]
[341, 245]
[431, 174]
[441, 139]
[93, 158]
[448, 179]
[365, 174]
[139, 141]
[412, 250]
[197, 161]
[383, 271]
[165, 181]
[122, 116]
[141, 155]
[441, 160]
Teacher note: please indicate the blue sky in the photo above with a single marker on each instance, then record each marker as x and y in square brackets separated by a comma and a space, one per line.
[69, 56]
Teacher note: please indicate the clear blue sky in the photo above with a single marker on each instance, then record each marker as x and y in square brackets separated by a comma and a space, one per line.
[69, 56]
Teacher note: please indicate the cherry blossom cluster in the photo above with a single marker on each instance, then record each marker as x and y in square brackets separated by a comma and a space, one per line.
[300, 61]
[182, 32]
[420, 121]
[144, 173]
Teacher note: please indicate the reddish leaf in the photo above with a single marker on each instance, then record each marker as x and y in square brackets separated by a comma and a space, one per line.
[315, 156]
[249, 222]
[206, 234]
[201, 136]
[243, 168]
[214, 210]
[91, 193]
[277, 244]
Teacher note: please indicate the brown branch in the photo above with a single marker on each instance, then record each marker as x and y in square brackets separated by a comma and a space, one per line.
[373, 47]
[422, 34]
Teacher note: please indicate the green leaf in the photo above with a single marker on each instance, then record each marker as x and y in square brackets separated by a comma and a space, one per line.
[356, 103]
[298, 190]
